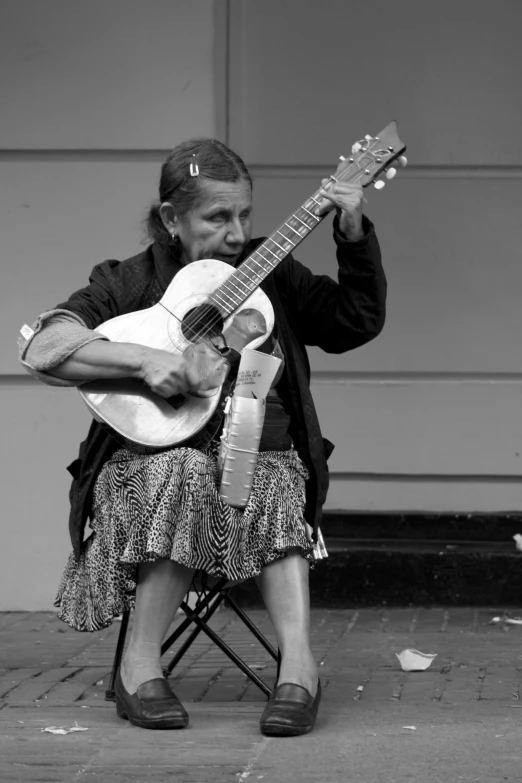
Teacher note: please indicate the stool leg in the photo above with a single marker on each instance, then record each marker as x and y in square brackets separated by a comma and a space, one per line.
[223, 646]
[109, 693]
[192, 636]
[250, 625]
[201, 605]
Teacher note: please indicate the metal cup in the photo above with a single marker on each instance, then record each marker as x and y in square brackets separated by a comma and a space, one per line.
[239, 449]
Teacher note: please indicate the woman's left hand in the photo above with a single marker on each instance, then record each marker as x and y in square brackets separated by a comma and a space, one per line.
[348, 202]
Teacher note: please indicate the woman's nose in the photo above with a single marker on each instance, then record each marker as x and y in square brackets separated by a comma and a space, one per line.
[236, 234]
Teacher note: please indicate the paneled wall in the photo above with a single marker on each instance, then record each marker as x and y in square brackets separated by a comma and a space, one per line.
[429, 415]
[96, 95]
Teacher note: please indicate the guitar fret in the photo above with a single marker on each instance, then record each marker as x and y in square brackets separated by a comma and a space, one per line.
[266, 260]
[294, 230]
[230, 295]
[256, 274]
[259, 276]
[284, 237]
[311, 214]
[256, 262]
[225, 305]
[230, 282]
[236, 276]
[278, 245]
[224, 288]
[270, 251]
[302, 221]
[250, 284]
[216, 295]
[312, 198]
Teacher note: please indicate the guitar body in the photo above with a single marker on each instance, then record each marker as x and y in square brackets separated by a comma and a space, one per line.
[127, 405]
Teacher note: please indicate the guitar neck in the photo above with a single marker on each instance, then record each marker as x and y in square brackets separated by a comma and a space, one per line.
[259, 264]
[369, 156]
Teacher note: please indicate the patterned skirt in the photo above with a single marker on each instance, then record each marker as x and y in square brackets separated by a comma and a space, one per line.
[167, 505]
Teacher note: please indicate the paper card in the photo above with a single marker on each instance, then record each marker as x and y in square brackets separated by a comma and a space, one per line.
[63, 730]
[414, 660]
[255, 374]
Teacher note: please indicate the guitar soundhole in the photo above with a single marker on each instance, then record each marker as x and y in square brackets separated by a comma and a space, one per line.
[202, 321]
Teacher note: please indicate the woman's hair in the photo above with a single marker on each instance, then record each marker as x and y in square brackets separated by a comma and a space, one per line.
[215, 161]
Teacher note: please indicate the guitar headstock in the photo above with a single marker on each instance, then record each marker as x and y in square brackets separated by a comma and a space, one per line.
[370, 157]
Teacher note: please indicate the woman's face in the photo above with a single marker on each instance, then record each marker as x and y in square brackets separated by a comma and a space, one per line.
[220, 225]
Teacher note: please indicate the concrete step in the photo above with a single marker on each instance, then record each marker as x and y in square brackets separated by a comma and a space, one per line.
[414, 560]
[463, 527]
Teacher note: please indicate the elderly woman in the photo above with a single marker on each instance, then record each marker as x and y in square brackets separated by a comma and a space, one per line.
[157, 518]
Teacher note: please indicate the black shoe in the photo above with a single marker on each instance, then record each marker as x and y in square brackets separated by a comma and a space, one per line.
[153, 706]
[291, 710]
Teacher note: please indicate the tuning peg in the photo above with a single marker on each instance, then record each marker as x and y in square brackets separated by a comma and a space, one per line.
[341, 157]
[379, 184]
[403, 160]
[391, 173]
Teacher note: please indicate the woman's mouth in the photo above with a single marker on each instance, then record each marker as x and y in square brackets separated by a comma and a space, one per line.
[228, 258]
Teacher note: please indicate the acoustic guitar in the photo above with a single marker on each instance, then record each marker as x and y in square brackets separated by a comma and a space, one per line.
[209, 298]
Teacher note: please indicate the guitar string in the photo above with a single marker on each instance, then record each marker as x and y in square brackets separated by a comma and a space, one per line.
[201, 336]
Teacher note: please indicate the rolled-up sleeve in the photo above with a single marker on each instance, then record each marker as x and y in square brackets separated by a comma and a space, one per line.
[53, 338]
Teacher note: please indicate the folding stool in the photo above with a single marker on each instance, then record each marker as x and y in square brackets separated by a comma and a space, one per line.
[209, 599]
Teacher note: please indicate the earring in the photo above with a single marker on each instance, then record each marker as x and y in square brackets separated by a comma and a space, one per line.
[176, 242]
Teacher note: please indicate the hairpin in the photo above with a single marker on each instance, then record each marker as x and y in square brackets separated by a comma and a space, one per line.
[194, 168]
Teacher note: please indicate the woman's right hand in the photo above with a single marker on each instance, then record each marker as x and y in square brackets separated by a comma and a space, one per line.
[199, 370]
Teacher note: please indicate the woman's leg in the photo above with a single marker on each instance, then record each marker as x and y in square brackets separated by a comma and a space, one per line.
[284, 587]
[162, 586]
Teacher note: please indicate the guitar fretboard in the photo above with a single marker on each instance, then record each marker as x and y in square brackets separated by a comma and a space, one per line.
[372, 154]
[251, 273]
[259, 264]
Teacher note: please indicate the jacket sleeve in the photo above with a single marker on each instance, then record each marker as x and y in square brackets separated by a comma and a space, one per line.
[99, 301]
[337, 316]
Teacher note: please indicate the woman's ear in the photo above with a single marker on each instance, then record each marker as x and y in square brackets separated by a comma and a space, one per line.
[168, 216]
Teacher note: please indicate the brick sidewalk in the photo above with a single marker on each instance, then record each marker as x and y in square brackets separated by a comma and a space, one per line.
[465, 707]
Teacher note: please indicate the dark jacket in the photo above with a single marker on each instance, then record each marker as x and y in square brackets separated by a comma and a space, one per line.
[309, 310]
